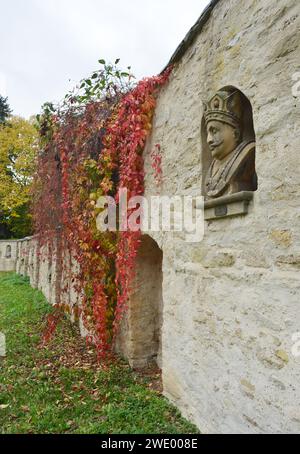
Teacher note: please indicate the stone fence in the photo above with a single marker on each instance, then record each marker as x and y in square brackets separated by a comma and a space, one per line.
[8, 255]
[39, 264]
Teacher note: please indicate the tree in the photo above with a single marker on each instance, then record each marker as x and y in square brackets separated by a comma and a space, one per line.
[18, 150]
[5, 110]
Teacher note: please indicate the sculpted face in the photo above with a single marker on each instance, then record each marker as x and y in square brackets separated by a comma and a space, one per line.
[221, 138]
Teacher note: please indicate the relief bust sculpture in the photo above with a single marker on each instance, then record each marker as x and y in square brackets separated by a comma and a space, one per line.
[232, 167]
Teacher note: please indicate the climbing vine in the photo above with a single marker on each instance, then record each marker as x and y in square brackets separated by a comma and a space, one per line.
[91, 146]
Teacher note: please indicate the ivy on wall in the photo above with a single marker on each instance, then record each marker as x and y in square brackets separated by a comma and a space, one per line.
[91, 146]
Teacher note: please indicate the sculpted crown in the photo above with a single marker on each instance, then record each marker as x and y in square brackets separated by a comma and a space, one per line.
[225, 106]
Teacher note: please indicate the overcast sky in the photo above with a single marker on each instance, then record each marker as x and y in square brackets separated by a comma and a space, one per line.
[44, 43]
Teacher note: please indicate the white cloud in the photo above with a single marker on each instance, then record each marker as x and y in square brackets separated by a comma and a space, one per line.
[44, 43]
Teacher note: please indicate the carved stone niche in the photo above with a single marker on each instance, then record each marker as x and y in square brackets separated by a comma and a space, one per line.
[228, 154]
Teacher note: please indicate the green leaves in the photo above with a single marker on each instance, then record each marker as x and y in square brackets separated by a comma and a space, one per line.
[108, 82]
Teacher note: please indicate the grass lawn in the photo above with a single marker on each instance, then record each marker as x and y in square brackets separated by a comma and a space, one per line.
[61, 388]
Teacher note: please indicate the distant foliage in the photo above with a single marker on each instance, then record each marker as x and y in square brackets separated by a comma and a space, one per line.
[5, 110]
[18, 151]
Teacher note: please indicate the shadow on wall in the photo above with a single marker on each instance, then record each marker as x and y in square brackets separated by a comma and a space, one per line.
[140, 338]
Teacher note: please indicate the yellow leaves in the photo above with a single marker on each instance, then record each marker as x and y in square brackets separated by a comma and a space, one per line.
[18, 150]
[106, 184]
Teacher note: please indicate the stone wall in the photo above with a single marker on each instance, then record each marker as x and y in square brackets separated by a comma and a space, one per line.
[40, 265]
[139, 341]
[231, 301]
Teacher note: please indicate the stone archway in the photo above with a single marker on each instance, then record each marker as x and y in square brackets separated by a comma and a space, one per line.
[140, 339]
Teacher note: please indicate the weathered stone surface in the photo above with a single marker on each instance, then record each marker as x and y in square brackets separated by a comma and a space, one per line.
[224, 315]
[282, 237]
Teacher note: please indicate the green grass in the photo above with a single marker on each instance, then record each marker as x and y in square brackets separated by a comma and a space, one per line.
[60, 388]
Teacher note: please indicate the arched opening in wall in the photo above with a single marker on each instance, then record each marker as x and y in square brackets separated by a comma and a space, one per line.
[145, 314]
[228, 165]
[8, 252]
